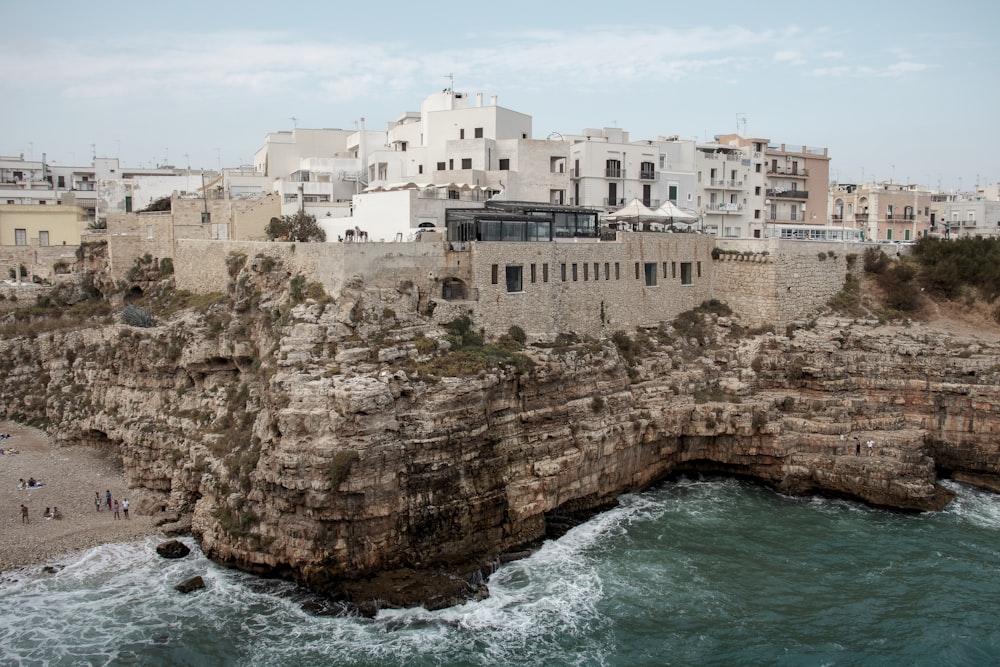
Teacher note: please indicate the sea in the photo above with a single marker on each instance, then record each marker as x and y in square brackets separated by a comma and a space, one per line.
[692, 572]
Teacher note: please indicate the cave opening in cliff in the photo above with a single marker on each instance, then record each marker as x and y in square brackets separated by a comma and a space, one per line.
[134, 294]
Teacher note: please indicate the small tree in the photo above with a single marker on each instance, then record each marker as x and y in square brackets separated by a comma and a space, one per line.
[298, 227]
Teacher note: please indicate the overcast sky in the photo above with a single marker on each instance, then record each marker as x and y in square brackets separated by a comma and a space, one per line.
[895, 90]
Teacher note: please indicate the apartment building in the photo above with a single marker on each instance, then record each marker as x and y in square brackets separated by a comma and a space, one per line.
[608, 170]
[885, 211]
[957, 215]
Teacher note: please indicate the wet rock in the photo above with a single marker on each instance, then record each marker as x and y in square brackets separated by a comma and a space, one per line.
[192, 584]
[173, 549]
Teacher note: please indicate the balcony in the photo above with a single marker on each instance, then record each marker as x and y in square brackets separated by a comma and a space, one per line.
[574, 173]
[614, 202]
[788, 194]
[900, 217]
[861, 217]
[723, 207]
[788, 171]
[647, 175]
[725, 184]
[614, 172]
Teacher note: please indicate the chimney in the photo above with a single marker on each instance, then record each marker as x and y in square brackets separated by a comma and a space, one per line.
[493, 100]
[479, 99]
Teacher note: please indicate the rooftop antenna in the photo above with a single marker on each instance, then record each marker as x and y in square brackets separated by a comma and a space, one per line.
[451, 85]
[295, 122]
[741, 121]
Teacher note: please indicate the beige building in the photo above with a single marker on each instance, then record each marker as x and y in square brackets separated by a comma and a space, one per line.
[964, 214]
[884, 211]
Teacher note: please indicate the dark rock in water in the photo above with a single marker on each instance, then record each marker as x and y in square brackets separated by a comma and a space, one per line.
[192, 584]
[173, 549]
[51, 569]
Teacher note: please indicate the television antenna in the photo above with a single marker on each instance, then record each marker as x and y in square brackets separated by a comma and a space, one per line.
[295, 122]
[741, 122]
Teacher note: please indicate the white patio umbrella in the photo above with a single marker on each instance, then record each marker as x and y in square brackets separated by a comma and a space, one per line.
[637, 212]
[675, 213]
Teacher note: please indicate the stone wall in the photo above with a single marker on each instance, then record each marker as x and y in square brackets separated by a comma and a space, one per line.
[783, 284]
[593, 288]
[200, 266]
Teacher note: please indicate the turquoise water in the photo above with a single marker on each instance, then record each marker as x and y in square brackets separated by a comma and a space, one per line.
[696, 572]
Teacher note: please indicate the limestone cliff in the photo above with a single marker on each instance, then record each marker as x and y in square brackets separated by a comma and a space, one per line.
[345, 441]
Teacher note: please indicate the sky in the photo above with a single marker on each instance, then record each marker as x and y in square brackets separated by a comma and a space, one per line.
[902, 91]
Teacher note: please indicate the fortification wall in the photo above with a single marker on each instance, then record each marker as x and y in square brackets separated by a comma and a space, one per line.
[793, 279]
[590, 288]
[200, 266]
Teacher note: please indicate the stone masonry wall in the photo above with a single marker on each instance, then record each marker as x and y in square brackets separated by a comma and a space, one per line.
[783, 285]
[590, 288]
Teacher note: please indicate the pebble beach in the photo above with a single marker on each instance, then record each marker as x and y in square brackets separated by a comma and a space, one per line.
[69, 478]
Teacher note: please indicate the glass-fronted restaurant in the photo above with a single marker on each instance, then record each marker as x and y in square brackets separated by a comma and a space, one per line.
[520, 221]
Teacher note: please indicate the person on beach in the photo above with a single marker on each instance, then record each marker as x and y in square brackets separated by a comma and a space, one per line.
[56, 514]
[21, 484]
[107, 498]
[48, 513]
[97, 500]
[125, 507]
[116, 509]
[24, 514]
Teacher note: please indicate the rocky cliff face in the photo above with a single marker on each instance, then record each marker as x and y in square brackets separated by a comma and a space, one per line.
[344, 442]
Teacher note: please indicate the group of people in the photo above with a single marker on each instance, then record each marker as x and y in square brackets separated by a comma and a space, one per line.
[869, 445]
[50, 513]
[32, 483]
[112, 503]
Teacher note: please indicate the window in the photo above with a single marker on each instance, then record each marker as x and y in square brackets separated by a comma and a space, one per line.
[888, 235]
[664, 269]
[756, 214]
[650, 272]
[402, 146]
[756, 190]
[440, 166]
[451, 164]
[607, 270]
[467, 163]
[597, 271]
[637, 270]
[514, 279]
[420, 168]
[795, 212]
[686, 273]
[461, 133]
[545, 273]
[562, 270]
[672, 193]
[453, 194]
[673, 270]
[613, 168]
[62, 181]
[757, 167]
[586, 272]
[43, 238]
[574, 272]
[478, 132]
[504, 164]
[533, 274]
[699, 269]
[618, 273]
[494, 271]
[20, 237]
[128, 204]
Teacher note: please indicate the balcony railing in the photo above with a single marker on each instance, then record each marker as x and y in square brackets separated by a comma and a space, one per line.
[896, 217]
[788, 171]
[724, 208]
[788, 194]
[614, 202]
[647, 175]
[574, 173]
[861, 217]
[614, 172]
